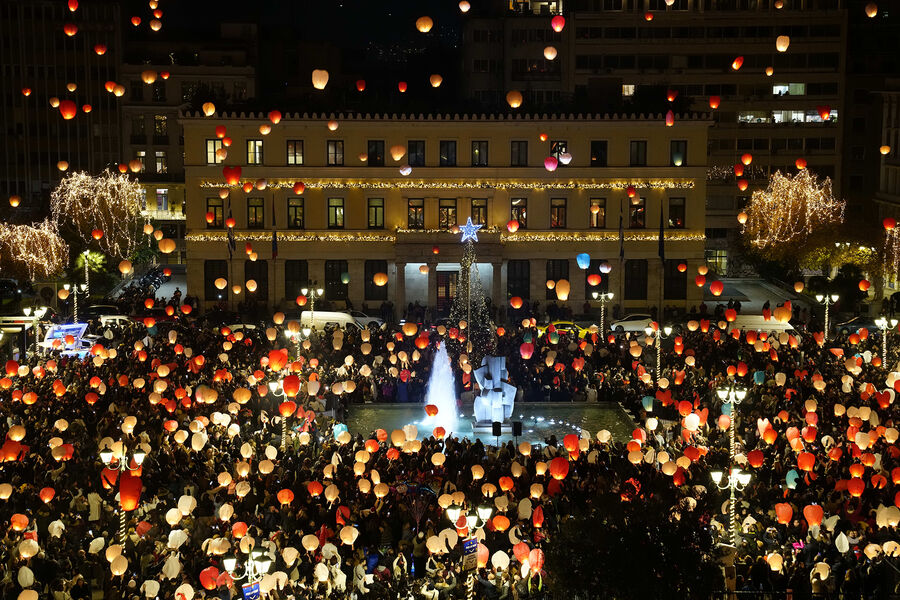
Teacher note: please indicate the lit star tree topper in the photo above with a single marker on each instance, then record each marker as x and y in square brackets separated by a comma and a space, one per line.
[469, 231]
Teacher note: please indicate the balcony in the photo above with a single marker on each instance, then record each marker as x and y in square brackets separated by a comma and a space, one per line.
[161, 140]
[138, 138]
[162, 215]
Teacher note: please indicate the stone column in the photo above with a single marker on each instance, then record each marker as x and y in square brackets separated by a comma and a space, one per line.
[399, 290]
[432, 284]
[497, 296]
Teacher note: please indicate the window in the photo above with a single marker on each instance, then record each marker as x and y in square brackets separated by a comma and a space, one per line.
[638, 153]
[636, 279]
[376, 213]
[446, 213]
[518, 154]
[375, 153]
[447, 153]
[211, 146]
[627, 90]
[416, 151]
[479, 211]
[335, 288]
[372, 291]
[212, 270]
[598, 213]
[335, 153]
[215, 207]
[558, 148]
[599, 153]
[674, 282]
[160, 126]
[162, 164]
[137, 91]
[296, 277]
[254, 152]
[258, 271]
[159, 91]
[519, 211]
[594, 269]
[162, 198]
[141, 155]
[556, 269]
[335, 213]
[789, 89]
[518, 278]
[138, 126]
[637, 213]
[479, 154]
[295, 152]
[676, 213]
[557, 213]
[255, 213]
[717, 260]
[678, 153]
[416, 213]
[295, 213]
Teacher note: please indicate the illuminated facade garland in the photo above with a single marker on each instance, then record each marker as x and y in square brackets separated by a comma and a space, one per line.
[465, 184]
[603, 236]
[891, 255]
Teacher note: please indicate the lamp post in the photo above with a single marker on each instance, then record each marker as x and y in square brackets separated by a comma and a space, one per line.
[475, 519]
[604, 297]
[658, 335]
[87, 279]
[826, 300]
[277, 390]
[257, 565]
[732, 395]
[312, 293]
[885, 326]
[119, 452]
[737, 480]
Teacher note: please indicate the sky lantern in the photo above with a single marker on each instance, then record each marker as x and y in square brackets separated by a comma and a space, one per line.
[551, 163]
[464, 6]
[800, 163]
[435, 80]
[737, 63]
[716, 287]
[558, 23]
[824, 112]
[746, 159]
[884, 150]
[670, 119]
[424, 24]
[559, 468]
[550, 52]
[871, 10]
[714, 101]
[275, 117]
[742, 217]
[232, 175]
[319, 78]
[70, 29]
[402, 86]
[784, 512]
[15, 200]
[782, 42]
[68, 109]
[380, 279]
[889, 223]
[630, 191]
[593, 280]
[514, 98]
[864, 285]
[360, 85]
[743, 184]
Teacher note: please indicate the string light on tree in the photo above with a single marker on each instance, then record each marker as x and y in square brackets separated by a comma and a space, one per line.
[110, 202]
[36, 251]
[470, 305]
[789, 211]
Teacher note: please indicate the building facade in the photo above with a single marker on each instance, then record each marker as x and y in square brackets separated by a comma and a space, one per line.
[621, 54]
[359, 216]
[161, 78]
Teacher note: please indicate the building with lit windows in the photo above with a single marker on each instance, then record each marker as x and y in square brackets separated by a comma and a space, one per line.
[360, 215]
[621, 55]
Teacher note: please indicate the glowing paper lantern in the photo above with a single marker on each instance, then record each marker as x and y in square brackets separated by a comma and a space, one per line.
[319, 78]
[514, 98]
[782, 43]
[557, 23]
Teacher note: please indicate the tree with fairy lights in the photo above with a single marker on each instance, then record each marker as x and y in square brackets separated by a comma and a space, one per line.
[470, 304]
[792, 214]
[104, 211]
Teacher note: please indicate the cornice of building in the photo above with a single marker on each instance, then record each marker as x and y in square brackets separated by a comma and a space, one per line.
[698, 118]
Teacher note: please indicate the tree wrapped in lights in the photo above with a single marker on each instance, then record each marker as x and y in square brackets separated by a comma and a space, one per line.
[790, 214]
[470, 306]
[32, 251]
[109, 202]
[891, 253]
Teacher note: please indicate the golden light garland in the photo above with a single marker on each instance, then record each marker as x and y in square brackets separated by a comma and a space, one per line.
[110, 202]
[37, 251]
[789, 210]
[465, 184]
[891, 253]
[520, 236]
[726, 173]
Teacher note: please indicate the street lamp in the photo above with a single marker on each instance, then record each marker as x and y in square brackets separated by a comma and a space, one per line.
[276, 388]
[604, 297]
[827, 301]
[885, 326]
[733, 395]
[119, 452]
[737, 480]
[658, 335]
[312, 293]
[257, 565]
[475, 519]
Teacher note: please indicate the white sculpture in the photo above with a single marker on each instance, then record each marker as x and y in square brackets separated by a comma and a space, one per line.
[496, 398]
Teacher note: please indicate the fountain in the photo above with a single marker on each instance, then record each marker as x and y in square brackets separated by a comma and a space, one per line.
[441, 392]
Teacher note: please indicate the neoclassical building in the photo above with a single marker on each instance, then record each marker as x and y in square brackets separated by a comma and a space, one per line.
[382, 194]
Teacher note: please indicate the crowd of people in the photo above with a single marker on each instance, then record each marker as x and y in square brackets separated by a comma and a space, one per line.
[362, 514]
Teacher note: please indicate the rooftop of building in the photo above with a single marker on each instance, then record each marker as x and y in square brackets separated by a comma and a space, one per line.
[490, 117]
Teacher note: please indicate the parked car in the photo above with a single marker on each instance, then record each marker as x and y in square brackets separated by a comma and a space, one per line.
[631, 323]
[96, 311]
[364, 320]
[855, 324]
[323, 318]
[562, 328]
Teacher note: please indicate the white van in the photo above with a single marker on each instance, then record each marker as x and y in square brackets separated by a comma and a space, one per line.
[321, 319]
[759, 323]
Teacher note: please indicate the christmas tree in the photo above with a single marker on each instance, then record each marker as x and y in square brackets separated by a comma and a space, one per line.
[470, 305]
